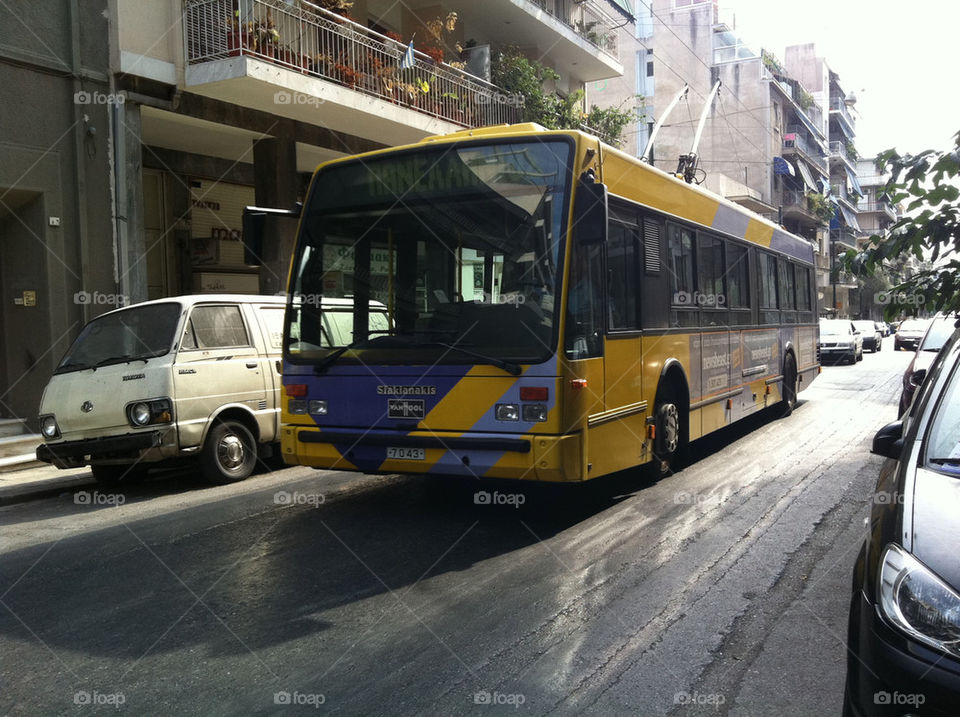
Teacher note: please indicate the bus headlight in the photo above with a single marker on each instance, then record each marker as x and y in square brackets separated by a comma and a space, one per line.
[318, 408]
[534, 412]
[297, 406]
[49, 427]
[145, 413]
[918, 602]
[507, 412]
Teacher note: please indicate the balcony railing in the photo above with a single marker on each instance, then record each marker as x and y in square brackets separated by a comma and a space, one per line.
[795, 139]
[838, 105]
[585, 20]
[883, 207]
[839, 149]
[313, 41]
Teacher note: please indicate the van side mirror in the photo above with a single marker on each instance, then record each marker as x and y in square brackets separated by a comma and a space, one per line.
[590, 212]
[888, 441]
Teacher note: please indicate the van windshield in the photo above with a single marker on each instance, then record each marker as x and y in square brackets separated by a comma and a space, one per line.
[132, 334]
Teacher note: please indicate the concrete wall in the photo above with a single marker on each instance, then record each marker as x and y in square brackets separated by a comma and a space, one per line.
[56, 224]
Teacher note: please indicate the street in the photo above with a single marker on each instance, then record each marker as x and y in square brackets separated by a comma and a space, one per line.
[722, 589]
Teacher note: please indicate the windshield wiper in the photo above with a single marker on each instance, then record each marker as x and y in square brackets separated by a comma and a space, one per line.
[332, 358]
[945, 461]
[118, 359]
[508, 366]
[64, 367]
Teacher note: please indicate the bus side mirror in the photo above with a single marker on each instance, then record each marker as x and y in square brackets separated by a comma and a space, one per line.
[590, 212]
[254, 228]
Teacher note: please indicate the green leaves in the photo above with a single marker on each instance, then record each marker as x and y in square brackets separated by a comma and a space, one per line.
[919, 249]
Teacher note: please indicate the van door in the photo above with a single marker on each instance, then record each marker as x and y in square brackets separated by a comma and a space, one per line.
[270, 319]
[217, 364]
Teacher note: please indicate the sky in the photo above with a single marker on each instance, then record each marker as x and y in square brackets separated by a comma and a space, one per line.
[900, 58]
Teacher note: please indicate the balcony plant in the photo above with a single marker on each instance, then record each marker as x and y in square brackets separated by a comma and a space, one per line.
[820, 206]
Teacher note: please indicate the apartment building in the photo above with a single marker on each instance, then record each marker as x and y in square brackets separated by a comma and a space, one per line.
[135, 131]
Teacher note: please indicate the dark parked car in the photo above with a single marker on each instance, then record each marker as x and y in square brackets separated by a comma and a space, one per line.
[939, 331]
[909, 333]
[904, 631]
[871, 335]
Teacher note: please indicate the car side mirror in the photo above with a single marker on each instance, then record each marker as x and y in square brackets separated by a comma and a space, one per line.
[888, 441]
[916, 377]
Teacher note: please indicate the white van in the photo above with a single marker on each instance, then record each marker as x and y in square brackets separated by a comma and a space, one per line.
[188, 375]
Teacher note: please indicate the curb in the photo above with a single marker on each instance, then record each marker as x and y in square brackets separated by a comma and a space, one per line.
[43, 488]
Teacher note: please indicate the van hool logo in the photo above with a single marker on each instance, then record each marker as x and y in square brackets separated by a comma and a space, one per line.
[406, 408]
[406, 390]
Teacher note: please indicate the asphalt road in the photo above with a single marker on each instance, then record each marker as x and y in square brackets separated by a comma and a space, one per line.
[722, 589]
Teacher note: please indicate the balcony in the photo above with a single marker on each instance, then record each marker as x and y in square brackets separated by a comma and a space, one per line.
[838, 109]
[878, 207]
[795, 140]
[294, 59]
[838, 150]
[796, 209]
[843, 238]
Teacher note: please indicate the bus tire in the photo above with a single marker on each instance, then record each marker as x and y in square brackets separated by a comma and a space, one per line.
[789, 386]
[229, 454]
[669, 441]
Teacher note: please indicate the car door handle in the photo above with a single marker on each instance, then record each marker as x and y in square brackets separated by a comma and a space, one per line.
[251, 364]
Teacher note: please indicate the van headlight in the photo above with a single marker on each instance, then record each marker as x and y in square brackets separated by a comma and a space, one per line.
[918, 602]
[145, 413]
[49, 427]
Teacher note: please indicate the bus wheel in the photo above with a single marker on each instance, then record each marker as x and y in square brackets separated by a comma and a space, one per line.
[667, 443]
[229, 454]
[789, 386]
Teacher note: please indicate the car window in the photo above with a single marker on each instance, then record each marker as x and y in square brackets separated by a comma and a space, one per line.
[937, 335]
[943, 447]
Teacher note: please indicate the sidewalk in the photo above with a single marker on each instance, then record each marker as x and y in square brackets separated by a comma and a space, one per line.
[41, 482]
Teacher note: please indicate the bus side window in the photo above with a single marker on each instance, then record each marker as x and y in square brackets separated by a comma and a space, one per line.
[584, 325]
[767, 282]
[681, 269]
[622, 274]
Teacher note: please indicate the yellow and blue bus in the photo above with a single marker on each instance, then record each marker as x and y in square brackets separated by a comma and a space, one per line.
[532, 304]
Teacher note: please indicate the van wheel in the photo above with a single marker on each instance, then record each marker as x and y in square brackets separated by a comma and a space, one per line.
[229, 454]
[789, 386]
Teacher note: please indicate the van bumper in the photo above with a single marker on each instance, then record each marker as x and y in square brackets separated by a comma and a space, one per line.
[73, 454]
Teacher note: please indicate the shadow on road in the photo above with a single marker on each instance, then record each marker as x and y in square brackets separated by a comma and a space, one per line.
[202, 577]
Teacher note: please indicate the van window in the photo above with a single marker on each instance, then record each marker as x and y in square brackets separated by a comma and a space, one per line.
[273, 326]
[214, 327]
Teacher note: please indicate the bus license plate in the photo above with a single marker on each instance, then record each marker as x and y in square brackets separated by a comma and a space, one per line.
[406, 454]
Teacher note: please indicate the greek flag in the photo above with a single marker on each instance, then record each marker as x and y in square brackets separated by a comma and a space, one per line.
[408, 60]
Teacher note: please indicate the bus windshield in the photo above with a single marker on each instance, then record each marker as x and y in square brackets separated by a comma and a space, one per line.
[460, 242]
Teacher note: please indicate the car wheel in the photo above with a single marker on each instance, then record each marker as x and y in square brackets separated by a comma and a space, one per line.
[669, 441]
[789, 386]
[229, 453]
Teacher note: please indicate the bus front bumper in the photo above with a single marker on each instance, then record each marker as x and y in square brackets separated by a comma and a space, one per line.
[482, 455]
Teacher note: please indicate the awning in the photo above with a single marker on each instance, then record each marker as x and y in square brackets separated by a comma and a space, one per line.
[850, 218]
[854, 184]
[782, 166]
[807, 177]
